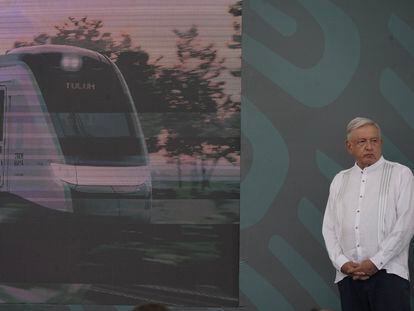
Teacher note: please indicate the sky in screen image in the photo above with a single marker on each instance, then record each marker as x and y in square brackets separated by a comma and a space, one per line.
[149, 22]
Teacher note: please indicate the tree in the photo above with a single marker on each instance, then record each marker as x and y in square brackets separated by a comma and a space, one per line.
[192, 84]
[84, 33]
[236, 11]
[197, 108]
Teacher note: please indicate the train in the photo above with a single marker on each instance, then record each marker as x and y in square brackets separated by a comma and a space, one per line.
[70, 136]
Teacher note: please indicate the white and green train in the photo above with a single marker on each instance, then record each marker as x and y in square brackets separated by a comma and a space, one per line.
[70, 137]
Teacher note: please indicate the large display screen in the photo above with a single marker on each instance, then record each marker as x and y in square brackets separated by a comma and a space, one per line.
[120, 152]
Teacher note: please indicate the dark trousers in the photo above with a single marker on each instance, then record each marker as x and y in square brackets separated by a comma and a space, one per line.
[381, 292]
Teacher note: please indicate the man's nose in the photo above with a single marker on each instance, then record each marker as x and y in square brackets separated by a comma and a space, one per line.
[368, 145]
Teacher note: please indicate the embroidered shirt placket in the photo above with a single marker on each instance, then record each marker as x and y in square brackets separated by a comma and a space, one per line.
[358, 212]
[383, 198]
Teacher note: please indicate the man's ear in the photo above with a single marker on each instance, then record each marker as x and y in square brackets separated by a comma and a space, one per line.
[348, 146]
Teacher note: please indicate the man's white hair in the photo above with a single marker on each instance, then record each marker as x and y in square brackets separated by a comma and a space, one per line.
[359, 122]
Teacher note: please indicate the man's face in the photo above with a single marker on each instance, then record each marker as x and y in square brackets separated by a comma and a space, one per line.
[365, 145]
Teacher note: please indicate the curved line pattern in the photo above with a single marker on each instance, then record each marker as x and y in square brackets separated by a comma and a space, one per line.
[398, 94]
[328, 167]
[302, 271]
[322, 84]
[269, 165]
[275, 18]
[312, 219]
[260, 292]
[391, 152]
[402, 32]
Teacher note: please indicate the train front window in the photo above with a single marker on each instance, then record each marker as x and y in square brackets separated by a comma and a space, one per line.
[91, 110]
[94, 124]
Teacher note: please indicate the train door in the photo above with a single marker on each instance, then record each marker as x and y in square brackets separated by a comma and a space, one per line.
[3, 98]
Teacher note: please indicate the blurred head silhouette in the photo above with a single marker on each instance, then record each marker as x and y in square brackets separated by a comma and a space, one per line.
[151, 307]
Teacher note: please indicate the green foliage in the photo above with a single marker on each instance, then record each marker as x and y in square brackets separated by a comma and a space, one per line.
[84, 33]
[195, 91]
[236, 11]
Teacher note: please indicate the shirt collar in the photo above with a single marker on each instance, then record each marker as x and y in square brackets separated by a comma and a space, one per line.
[372, 167]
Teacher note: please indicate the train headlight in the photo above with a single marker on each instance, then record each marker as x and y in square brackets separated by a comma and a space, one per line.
[71, 62]
[144, 188]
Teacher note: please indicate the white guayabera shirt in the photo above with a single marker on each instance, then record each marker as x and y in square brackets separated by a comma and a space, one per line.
[370, 215]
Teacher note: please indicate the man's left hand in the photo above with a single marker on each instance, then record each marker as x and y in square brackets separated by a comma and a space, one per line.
[367, 267]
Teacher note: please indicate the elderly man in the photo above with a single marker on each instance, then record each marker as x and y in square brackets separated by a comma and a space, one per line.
[368, 225]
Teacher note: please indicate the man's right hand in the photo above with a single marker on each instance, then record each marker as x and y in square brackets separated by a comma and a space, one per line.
[349, 268]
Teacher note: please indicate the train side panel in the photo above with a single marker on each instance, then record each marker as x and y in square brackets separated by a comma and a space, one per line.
[31, 144]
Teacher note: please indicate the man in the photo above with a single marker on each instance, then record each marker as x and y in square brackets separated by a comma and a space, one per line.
[368, 225]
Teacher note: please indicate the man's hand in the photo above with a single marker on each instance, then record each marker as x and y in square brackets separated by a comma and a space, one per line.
[349, 267]
[360, 277]
[367, 267]
[353, 269]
